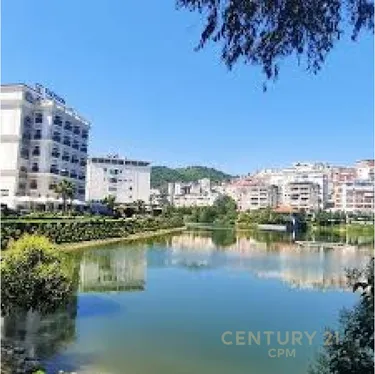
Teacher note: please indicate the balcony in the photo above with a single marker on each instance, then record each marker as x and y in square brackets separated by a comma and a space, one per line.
[25, 154]
[68, 126]
[82, 177]
[54, 170]
[57, 121]
[35, 169]
[73, 174]
[55, 154]
[38, 136]
[76, 131]
[56, 138]
[85, 135]
[83, 163]
[35, 152]
[64, 173]
[67, 142]
[84, 149]
[66, 158]
[75, 146]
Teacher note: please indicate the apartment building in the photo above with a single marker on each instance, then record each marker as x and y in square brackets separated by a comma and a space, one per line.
[357, 196]
[302, 195]
[126, 180]
[365, 170]
[43, 141]
[191, 200]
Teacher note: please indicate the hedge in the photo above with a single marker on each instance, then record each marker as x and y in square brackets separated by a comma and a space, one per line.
[77, 230]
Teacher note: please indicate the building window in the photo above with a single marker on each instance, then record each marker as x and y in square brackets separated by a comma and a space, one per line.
[112, 189]
[25, 153]
[57, 121]
[56, 137]
[66, 140]
[83, 162]
[75, 144]
[55, 152]
[38, 118]
[38, 134]
[27, 122]
[68, 126]
[36, 151]
[35, 167]
[33, 185]
[76, 130]
[54, 169]
[4, 192]
[66, 156]
[84, 134]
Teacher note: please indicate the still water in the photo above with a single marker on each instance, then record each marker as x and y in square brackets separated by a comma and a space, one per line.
[163, 306]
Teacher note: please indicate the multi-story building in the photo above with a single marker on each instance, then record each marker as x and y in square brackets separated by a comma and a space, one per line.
[302, 195]
[365, 169]
[258, 196]
[316, 173]
[43, 141]
[355, 196]
[126, 180]
[190, 200]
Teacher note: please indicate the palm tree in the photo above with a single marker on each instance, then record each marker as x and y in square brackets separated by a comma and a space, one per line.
[109, 201]
[65, 189]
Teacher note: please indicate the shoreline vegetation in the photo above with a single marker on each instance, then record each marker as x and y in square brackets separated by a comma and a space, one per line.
[125, 239]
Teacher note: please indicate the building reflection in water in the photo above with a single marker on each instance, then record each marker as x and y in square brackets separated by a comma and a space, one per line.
[301, 267]
[113, 270]
[42, 336]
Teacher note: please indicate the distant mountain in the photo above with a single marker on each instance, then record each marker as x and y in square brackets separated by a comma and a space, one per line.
[161, 175]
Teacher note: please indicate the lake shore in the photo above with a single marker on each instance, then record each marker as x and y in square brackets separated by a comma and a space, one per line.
[126, 239]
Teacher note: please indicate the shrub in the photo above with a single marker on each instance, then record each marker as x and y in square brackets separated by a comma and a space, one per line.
[35, 276]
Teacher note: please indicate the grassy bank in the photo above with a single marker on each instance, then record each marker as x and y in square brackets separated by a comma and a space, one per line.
[126, 239]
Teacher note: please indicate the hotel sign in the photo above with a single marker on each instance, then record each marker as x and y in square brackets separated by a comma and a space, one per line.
[46, 92]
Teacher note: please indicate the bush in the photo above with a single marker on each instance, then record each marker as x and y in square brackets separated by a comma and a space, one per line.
[35, 276]
[81, 230]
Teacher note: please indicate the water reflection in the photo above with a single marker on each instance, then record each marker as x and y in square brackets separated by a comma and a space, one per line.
[314, 267]
[42, 336]
[113, 270]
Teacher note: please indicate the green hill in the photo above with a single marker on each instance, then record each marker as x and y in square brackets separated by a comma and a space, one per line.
[161, 175]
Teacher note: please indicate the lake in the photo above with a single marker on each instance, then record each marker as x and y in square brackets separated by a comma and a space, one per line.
[210, 302]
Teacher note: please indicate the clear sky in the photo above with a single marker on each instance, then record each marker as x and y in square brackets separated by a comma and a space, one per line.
[129, 67]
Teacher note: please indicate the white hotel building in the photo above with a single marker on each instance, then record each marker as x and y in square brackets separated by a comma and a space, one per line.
[43, 141]
[126, 180]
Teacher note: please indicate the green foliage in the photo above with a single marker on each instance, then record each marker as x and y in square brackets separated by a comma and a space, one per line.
[109, 201]
[35, 276]
[161, 175]
[65, 189]
[353, 352]
[69, 231]
[264, 33]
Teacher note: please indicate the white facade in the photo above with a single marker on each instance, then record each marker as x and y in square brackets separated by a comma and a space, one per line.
[365, 170]
[42, 142]
[127, 180]
[191, 200]
[355, 196]
[302, 195]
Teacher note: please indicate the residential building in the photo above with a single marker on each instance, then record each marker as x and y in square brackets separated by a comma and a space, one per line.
[258, 196]
[302, 195]
[357, 196]
[43, 141]
[190, 200]
[126, 180]
[365, 170]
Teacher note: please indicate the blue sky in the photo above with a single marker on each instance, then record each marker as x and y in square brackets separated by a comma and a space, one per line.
[129, 67]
